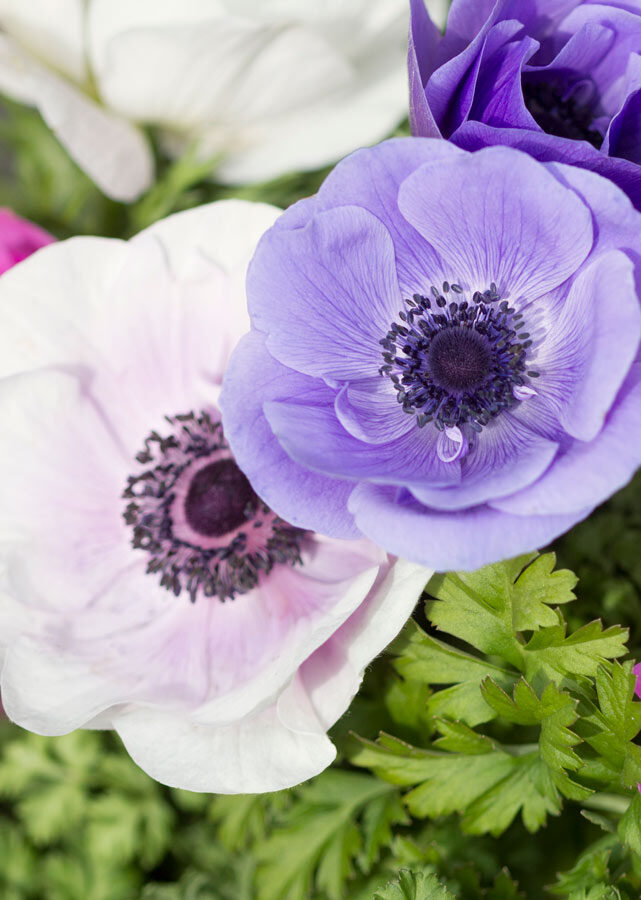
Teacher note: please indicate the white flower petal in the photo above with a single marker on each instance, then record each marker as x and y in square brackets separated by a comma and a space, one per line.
[332, 675]
[254, 755]
[112, 151]
[52, 30]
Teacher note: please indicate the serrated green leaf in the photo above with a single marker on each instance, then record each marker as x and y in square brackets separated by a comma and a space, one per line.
[320, 823]
[424, 660]
[504, 888]
[414, 886]
[553, 654]
[459, 738]
[539, 588]
[609, 727]
[477, 607]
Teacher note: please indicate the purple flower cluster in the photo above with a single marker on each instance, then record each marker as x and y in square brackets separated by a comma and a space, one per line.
[444, 353]
[559, 79]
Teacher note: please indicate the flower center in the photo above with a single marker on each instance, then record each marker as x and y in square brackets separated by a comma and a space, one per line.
[217, 498]
[457, 362]
[459, 358]
[197, 517]
[568, 114]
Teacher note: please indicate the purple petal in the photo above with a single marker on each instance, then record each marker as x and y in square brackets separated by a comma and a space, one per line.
[313, 436]
[624, 134]
[588, 473]
[450, 540]
[293, 492]
[619, 223]
[506, 457]
[369, 411]
[326, 293]
[499, 95]
[549, 148]
[371, 178]
[424, 38]
[499, 217]
[597, 339]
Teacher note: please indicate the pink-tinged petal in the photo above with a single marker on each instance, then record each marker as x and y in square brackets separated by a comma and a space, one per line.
[497, 216]
[62, 470]
[51, 692]
[637, 672]
[259, 644]
[332, 675]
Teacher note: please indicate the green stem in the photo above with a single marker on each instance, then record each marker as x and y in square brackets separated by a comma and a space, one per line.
[614, 803]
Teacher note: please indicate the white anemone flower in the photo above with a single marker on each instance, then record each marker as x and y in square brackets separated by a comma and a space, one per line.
[269, 86]
[143, 585]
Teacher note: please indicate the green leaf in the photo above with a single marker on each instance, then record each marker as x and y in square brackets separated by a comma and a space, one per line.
[241, 819]
[477, 607]
[414, 886]
[610, 726]
[49, 811]
[423, 660]
[487, 607]
[630, 825]
[553, 654]
[592, 867]
[489, 788]
[319, 836]
[555, 712]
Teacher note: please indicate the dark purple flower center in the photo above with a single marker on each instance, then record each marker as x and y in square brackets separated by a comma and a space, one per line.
[217, 498]
[562, 113]
[196, 515]
[455, 361]
[459, 358]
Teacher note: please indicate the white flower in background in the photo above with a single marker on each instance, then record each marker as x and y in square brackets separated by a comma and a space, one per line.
[143, 585]
[271, 85]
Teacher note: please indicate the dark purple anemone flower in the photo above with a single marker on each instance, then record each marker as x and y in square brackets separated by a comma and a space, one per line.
[559, 79]
[444, 353]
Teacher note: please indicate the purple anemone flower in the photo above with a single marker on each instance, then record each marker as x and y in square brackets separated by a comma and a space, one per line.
[444, 352]
[559, 79]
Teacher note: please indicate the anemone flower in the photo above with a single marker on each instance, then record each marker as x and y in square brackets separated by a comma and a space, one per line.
[559, 80]
[145, 585]
[449, 341]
